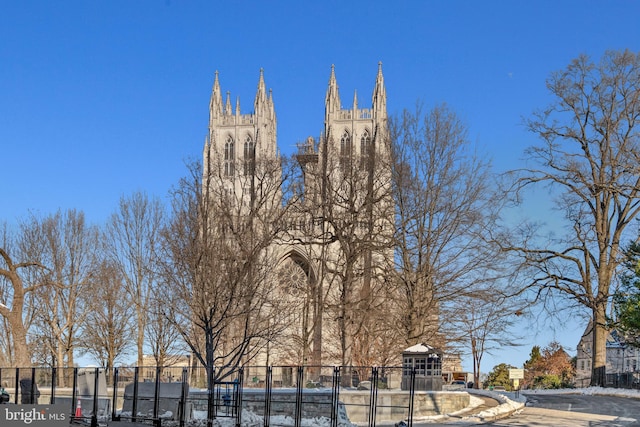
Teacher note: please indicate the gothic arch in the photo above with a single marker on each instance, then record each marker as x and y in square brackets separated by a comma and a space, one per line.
[367, 150]
[248, 156]
[299, 291]
[229, 155]
[345, 142]
[365, 139]
[346, 149]
[301, 261]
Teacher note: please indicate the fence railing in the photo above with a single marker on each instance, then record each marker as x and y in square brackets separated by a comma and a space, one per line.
[180, 396]
[626, 380]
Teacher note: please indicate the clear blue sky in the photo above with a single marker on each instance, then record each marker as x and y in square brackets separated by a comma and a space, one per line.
[99, 99]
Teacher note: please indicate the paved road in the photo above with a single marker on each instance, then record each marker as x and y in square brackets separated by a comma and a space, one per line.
[574, 410]
[564, 410]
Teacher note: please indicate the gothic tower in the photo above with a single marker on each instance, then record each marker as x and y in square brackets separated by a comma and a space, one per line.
[337, 245]
[237, 142]
[355, 132]
[355, 194]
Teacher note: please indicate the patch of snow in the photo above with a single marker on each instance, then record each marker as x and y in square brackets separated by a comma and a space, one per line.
[592, 391]
[419, 348]
[250, 419]
[509, 404]
[166, 415]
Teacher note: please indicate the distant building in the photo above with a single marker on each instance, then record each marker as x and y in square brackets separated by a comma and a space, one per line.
[171, 372]
[621, 357]
[452, 368]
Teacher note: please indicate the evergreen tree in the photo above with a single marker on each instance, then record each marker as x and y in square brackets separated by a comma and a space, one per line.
[532, 366]
[627, 299]
[499, 376]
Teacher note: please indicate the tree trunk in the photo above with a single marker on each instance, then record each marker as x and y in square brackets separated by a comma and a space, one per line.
[22, 358]
[140, 336]
[599, 352]
[316, 354]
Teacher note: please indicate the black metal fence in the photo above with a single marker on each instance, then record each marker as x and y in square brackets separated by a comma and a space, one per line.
[630, 380]
[179, 396]
[626, 380]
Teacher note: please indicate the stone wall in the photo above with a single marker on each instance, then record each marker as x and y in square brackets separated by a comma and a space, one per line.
[392, 405]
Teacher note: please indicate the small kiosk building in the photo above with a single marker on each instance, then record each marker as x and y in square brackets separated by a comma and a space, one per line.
[426, 363]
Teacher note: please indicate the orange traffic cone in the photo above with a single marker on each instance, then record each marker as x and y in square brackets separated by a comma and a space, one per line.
[78, 410]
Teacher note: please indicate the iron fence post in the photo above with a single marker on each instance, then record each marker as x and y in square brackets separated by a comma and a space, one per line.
[94, 412]
[298, 410]
[412, 394]
[184, 394]
[267, 396]
[74, 393]
[238, 393]
[211, 408]
[54, 371]
[32, 390]
[114, 399]
[15, 396]
[335, 396]
[156, 397]
[373, 397]
[134, 404]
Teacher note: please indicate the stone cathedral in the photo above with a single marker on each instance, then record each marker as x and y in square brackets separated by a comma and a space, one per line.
[332, 258]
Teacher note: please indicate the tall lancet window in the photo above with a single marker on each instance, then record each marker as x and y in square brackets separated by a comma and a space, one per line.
[366, 151]
[249, 155]
[229, 157]
[345, 151]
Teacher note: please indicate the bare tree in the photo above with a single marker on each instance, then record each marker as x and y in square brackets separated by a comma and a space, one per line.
[484, 322]
[163, 337]
[348, 209]
[445, 204]
[6, 345]
[14, 302]
[67, 245]
[107, 332]
[217, 265]
[589, 156]
[132, 238]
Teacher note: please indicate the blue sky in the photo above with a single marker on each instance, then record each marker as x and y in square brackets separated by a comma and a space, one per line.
[99, 99]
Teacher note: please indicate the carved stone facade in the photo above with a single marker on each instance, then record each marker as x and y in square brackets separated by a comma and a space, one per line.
[333, 259]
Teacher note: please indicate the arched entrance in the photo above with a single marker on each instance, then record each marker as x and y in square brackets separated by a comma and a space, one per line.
[300, 343]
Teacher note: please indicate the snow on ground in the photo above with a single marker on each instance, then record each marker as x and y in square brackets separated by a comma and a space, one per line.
[509, 404]
[602, 391]
[250, 419]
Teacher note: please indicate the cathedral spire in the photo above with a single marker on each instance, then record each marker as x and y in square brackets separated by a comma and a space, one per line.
[332, 100]
[379, 98]
[227, 109]
[215, 105]
[272, 109]
[260, 103]
[355, 100]
[238, 106]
